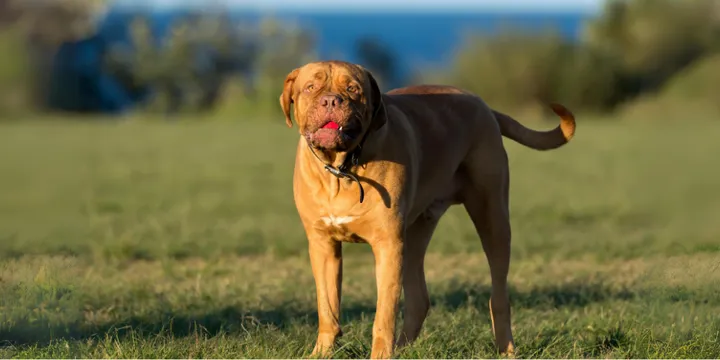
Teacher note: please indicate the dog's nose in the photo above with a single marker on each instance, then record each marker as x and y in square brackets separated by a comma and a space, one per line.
[330, 101]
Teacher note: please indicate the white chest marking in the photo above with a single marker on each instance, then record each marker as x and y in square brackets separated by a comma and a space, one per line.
[331, 220]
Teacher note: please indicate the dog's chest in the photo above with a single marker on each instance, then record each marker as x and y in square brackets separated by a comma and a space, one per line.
[336, 221]
[343, 228]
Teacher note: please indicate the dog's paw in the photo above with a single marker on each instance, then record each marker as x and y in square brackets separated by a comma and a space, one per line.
[322, 350]
[509, 352]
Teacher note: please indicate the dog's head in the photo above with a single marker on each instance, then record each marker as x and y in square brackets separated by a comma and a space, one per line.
[335, 104]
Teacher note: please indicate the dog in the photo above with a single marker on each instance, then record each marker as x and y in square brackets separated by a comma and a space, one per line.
[382, 169]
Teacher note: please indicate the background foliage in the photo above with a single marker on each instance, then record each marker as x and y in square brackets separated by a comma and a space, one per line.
[636, 51]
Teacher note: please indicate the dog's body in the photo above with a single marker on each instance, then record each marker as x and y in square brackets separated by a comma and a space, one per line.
[418, 150]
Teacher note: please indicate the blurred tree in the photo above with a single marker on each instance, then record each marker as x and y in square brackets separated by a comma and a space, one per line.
[690, 94]
[651, 40]
[8, 13]
[43, 26]
[284, 46]
[52, 23]
[379, 59]
[228, 48]
[148, 62]
[189, 68]
[14, 73]
[632, 48]
[272, 49]
[513, 69]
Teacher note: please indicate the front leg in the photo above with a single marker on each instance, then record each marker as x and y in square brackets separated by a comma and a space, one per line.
[326, 260]
[388, 271]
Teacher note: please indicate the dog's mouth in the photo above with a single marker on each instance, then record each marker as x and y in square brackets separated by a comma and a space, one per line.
[334, 135]
[332, 125]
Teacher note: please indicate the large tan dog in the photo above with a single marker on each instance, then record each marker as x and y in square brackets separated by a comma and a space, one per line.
[382, 169]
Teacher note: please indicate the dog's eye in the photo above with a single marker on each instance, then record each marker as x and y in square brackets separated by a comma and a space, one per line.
[352, 89]
[310, 87]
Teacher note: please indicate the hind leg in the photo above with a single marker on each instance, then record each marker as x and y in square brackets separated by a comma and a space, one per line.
[486, 202]
[417, 300]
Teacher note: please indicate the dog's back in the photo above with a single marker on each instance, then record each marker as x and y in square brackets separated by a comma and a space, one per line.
[509, 127]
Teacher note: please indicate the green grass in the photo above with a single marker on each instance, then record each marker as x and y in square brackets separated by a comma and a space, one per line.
[180, 240]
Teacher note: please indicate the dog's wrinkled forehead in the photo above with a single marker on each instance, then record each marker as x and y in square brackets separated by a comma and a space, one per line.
[331, 75]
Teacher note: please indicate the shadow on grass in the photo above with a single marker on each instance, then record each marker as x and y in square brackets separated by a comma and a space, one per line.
[23, 332]
[566, 295]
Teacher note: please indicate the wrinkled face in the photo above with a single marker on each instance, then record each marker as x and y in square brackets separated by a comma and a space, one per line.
[334, 103]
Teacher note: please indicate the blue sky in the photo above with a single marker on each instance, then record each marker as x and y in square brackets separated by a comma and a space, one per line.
[380, 5]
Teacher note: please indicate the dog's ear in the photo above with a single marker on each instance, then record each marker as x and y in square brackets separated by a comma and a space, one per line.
[377, 108]
[286, 98]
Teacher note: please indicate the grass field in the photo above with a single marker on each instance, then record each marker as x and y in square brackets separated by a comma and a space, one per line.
[181, 240]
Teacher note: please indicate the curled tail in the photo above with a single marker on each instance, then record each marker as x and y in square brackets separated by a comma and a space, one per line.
[539, 140]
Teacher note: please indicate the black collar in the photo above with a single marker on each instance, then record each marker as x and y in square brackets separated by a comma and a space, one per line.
[352, 159]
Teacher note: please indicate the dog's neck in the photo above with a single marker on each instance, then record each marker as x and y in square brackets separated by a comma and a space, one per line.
[341, 160]
[349, 164]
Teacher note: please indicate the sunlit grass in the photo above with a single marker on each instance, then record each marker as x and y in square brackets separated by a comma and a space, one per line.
[181, 240]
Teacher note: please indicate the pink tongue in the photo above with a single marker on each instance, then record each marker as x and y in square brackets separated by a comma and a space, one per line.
[331, 125]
